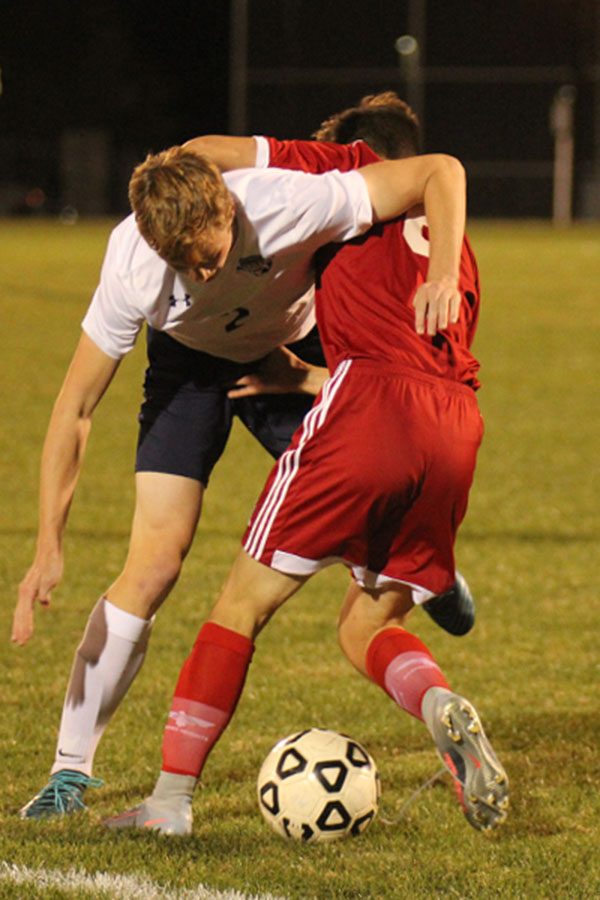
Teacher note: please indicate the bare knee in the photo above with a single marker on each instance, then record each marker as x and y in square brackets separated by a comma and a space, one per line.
[165, 519]
[159, 572]
[149, 575]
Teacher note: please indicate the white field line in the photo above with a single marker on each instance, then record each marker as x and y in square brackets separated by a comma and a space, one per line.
[119, 887]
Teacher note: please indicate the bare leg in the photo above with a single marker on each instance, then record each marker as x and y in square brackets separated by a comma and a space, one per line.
[251, 594]
[365, 613]
[115, 641]
[166, 515]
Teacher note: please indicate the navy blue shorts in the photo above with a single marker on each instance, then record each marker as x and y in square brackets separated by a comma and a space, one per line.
[186, 415]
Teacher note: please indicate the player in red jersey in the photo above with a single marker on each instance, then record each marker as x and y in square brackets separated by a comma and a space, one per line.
[380, 126]
[377, 477]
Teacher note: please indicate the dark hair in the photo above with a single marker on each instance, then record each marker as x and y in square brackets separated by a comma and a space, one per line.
[384, 121]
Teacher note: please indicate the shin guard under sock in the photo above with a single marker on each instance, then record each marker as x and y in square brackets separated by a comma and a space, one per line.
[207, 692]
[403, 666]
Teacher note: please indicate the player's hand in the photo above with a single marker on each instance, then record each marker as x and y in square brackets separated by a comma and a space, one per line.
[36, 587]
[282, 372]
[437, 305]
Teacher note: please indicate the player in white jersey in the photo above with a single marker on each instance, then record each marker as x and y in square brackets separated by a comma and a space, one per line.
[244, 238]
[267, 274]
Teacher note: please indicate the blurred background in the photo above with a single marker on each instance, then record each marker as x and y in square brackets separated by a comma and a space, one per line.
[512, 88]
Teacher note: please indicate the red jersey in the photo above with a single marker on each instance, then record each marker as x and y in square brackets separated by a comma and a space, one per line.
[365, 286]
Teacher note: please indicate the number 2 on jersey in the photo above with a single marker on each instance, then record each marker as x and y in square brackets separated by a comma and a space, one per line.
[240, 314]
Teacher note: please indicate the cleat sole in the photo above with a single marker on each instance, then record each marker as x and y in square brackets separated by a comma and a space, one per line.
[480, 781]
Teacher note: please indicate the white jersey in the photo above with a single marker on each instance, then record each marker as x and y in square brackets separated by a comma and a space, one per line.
[261, 298]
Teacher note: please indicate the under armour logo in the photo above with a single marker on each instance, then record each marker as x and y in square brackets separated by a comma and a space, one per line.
[255, 265]
[173, 300]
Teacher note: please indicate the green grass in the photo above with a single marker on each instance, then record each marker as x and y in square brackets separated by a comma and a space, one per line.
[529, 547]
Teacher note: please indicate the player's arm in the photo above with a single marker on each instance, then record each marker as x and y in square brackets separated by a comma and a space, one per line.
[282, 372]
[438, 183]
[226, 152]
[308, 156]
[88, 377]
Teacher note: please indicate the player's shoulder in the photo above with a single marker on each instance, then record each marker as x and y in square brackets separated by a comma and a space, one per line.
[344, 157]
[265, 186]
[245, 181]
[341, 156]
[128, 251]
[125, 231]
[318, 156]
[363, 154]
[271, 191]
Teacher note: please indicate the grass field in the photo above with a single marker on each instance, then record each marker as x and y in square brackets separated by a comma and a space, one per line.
[529, 548]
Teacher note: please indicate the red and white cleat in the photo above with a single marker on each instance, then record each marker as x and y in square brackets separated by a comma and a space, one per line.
[154, 817]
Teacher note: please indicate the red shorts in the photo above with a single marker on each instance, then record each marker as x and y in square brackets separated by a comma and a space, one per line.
[376, 477]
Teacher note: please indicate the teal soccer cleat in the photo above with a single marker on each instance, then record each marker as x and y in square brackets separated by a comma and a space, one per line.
[61, 796]
[454, 610]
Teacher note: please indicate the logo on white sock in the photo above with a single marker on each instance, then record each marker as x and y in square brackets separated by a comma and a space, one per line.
[68, 755]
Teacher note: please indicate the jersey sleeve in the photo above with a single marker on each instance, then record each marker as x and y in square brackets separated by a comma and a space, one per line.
[262, 152]
[317, 156]
[111, 321]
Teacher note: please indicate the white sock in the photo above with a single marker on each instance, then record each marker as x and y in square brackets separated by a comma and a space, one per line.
[106, 662]
[430, 702]
[173, 791]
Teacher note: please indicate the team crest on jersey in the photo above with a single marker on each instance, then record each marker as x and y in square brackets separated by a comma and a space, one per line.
[255, 265]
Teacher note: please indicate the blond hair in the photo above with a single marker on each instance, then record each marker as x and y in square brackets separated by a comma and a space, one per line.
[177, 197]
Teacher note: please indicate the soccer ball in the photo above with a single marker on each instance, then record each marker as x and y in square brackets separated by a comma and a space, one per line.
[318, 785]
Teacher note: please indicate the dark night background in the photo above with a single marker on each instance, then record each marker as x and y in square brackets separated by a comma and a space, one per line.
[112, 80]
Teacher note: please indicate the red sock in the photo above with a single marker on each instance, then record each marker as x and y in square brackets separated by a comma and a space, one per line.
[402, 665]
[209, 686]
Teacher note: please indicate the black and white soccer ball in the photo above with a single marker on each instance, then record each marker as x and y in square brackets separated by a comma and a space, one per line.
[318, 785]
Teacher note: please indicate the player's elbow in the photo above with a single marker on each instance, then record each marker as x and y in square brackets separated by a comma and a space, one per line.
[225, 151]
[72, 412]
[450, 167]
[202, 145]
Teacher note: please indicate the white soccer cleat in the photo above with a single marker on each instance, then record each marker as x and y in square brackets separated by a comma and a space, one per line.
[154, 816]
[479, 778]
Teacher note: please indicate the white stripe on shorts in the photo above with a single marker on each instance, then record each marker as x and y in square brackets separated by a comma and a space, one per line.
[289, 464]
